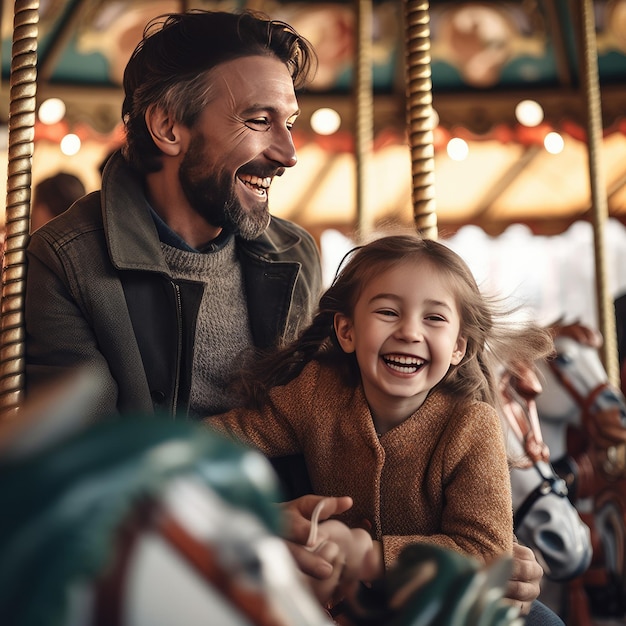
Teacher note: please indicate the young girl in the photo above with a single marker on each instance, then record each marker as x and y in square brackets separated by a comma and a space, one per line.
[390, 395]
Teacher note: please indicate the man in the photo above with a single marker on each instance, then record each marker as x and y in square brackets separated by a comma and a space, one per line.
[121, 283]
[165, 279]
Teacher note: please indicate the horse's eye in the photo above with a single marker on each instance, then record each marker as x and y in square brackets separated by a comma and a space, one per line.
[563, 359]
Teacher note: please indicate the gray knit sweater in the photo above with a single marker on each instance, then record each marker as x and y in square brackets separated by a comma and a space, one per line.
[223, 329]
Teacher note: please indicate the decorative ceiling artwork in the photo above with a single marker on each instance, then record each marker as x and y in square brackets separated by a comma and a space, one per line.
[486, 57]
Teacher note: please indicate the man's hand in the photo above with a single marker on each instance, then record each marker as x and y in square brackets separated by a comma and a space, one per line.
[297, 514]
[524, 584]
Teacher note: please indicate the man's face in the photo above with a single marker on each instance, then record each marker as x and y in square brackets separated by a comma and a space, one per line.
[242, 140]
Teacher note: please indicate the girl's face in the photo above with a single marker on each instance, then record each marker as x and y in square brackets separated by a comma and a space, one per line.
[405, 332]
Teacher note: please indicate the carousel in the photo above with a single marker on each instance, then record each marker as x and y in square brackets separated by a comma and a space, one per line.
[450, 117]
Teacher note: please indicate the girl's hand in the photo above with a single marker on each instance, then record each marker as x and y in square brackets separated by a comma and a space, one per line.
[357, 558]
[297, 514]
[523, 585]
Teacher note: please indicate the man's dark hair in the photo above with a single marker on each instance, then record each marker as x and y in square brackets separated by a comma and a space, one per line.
[178, 49]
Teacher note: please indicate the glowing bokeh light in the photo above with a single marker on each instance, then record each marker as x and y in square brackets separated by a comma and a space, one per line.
[51, 111]
[553, 143]
[70, 144]
[325, 121]
[457, 149]
[529, 113]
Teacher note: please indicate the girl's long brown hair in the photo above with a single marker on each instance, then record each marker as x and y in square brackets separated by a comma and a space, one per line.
[494, 340]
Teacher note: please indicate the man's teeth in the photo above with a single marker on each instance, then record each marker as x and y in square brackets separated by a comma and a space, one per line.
[256, 182]
[404, 363]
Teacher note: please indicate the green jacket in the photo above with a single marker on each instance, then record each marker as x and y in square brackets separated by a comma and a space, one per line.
[99, 294]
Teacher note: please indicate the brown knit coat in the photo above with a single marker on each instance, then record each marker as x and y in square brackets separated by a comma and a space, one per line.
[440, 477]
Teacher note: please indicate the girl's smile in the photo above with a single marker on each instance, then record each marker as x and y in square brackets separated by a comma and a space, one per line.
[403, 364]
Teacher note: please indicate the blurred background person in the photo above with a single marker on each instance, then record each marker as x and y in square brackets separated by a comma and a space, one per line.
[52, 196]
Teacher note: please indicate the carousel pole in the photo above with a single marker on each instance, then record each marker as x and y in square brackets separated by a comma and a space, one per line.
[364, 115]
[420, 115]
[23, 87]
[599, 201]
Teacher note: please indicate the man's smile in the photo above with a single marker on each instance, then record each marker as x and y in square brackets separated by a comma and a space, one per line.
[256, 184]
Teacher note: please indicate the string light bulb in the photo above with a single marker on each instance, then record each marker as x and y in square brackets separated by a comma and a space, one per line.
[553, 143]
[325, 121]
[51, 111]
[70, 144]
[529, 113]
[457, 149]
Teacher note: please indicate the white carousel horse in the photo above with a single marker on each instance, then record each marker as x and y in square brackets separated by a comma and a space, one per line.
[583, 420]
[544, 518]
[144, 521]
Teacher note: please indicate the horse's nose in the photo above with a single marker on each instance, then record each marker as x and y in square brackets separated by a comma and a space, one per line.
[559, 538]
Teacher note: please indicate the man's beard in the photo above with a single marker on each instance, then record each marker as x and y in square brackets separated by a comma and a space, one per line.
[213, 197]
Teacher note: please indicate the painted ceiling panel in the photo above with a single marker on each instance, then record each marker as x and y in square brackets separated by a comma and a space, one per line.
[485, 57]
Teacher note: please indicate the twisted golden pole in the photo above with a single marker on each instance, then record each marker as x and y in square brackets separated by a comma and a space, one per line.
[364, 115]
[599, 200]
[419, 116]
[23, 88]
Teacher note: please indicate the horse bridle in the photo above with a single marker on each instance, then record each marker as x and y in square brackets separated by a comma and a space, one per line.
[615, 462]
[549, 484]
[585, 403]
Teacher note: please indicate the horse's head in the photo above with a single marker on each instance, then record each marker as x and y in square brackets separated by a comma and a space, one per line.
[569, 378]
[577, 393]
[547, 522]
[577, 384]
[544, 518]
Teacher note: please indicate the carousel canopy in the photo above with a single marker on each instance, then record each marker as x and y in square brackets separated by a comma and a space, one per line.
[486, 58]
